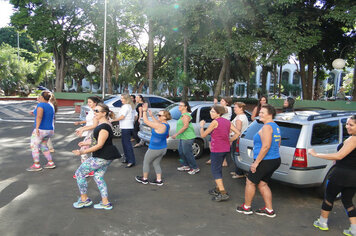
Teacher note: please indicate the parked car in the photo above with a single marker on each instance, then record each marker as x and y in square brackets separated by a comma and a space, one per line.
[322, 130]
[155, 103]
[200, 111]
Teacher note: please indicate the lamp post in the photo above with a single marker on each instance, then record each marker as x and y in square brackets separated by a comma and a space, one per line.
[91, 69]
[104, 53]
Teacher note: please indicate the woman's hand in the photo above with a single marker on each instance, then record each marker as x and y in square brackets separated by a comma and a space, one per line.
[79, 132]
[254, 167]
[174, 136]
[150, 112]
[202, 123]
[76, 152]
[37, 132]
[77, 123]
[312, 152]
[145, 107]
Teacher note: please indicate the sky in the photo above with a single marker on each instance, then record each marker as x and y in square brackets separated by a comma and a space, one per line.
[5, 13]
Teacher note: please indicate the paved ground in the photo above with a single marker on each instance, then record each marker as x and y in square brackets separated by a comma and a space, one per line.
[41, 203]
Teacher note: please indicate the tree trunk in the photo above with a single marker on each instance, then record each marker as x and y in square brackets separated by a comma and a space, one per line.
[185, 70]
[227, 76]
[220, 80]
[109, 73]
[60, 63]
[354, 83]
[280, 81]
[248, 78]
[302, 76]
[310, 79]
[275, 74]
[264, 79]
[150, 57]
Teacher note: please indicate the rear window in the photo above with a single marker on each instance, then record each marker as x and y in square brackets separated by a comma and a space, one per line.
[158, 102]
[175, 113]
[325, 133]
[345, 135]
[289, 132]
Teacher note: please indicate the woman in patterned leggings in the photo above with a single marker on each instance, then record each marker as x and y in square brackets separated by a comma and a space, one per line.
[104, 152]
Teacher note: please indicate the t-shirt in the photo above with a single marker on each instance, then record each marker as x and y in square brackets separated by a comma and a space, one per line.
[228, 114]
[89, 122]
[273, 152]
[159, 141]
[128, 122]
[244, 122]
[108, 151]
[47, 122]
[189, 133]
[349, 161]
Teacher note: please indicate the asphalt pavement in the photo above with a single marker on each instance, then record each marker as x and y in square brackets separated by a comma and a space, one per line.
[40, 203]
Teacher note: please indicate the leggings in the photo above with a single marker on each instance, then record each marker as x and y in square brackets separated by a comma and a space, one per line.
[40, 142]
[154, 157]
[99, 166]
[347, 193]
[217, 159]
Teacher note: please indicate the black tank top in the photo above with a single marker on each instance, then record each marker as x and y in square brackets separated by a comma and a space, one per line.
[348, 161]
[108, 151]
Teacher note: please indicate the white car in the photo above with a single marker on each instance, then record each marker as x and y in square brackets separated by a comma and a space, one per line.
[155, 103]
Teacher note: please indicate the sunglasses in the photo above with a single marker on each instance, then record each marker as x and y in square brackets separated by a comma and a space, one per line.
[97, 111]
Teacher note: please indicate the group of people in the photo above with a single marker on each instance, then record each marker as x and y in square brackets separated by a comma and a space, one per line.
[98, 136]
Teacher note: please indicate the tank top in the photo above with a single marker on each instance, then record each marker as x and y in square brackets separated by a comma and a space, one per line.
[108, 151]
[189, 132]
[159, 141]
[273, 152]
[349, 161]
[220, 136]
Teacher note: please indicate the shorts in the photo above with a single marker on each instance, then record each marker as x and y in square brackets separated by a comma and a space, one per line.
[264, 171]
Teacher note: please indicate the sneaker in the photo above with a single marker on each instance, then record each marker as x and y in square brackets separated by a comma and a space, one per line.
[321, 226]
[214, 192]
[34, 168]
[91, 174]
[244, 210]
[80, 204]
[194, 171]
[156, 182]
[100, 205]
[236, 176]
[74, 176]
[264, 212]
[137, 145]
[348, 232]
[50, 165]
[141, 180]
[221, 197]
[183, 168]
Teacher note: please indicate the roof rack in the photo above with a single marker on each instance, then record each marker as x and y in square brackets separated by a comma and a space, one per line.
[331, 114]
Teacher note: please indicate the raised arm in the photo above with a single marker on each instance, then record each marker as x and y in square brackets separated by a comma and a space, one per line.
[213, 125]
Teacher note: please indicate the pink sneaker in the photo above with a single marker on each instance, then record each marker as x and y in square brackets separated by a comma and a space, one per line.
[34, 167]
[50, 165]
[74, 176]
[91, 174]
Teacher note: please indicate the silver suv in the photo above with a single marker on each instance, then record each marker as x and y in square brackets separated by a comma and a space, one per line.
[321, 130]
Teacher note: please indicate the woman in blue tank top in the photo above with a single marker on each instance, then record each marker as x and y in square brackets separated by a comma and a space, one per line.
[158, 145]
[266, 161]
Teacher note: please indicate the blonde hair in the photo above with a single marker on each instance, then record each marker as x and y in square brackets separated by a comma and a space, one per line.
[240, 105]
[167, 114]
[128, 100]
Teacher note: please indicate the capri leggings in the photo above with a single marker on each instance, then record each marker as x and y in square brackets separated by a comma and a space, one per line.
[99, 166]
[217, 159]
[347, 193]
[154, 157]
[40, 142]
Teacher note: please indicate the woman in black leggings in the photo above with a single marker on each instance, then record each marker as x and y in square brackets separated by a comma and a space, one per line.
[342, 179]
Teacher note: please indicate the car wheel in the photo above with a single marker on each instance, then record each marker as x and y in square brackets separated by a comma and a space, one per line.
[116, 129]
[198, 148]
[321, 190]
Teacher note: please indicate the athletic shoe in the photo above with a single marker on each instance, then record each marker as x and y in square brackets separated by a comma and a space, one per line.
[221, 197]
[235, 176]
[34, 168]
[141, 180]
[74, 176]
[100, 206]
[91, 174]
[348, 232]
[244, 210]
[194, 171]
[80, 204]
[321, 226]
[183, 168]
[156, 182]
[264, 212]
[214, 192]
[50, 165]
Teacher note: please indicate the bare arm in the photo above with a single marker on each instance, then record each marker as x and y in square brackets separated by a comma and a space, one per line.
[236, 131]
[186, 120]
[349, 146]
[39, 117]
[254, 113]
[213, 125]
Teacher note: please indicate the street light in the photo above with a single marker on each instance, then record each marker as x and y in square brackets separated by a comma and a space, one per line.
[91, 69]
[338, 63]
[104, 56]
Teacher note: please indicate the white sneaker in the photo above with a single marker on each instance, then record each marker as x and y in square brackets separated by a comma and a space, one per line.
[183, 168]
[321, 226]
[194, 171]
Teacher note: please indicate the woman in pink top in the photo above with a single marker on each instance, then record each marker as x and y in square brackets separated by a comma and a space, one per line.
[220, 129]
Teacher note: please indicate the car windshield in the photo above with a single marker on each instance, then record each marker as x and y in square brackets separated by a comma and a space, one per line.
[174, 110]
[289, 132]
